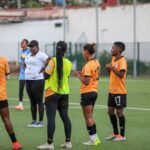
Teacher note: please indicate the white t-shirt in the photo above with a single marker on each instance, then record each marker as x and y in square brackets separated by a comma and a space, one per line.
[34, 65]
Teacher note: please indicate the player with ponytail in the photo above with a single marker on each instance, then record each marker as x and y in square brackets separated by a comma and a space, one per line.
[57, 95]
[89, 77]
[59, 58]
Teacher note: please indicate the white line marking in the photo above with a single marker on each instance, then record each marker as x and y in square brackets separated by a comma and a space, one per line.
[77, 106]
[72, 107]
[16, 99]
[134, 108]
[100, 107]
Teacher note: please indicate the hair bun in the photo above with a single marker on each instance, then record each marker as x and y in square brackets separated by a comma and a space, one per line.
[93, 45]
[90, 48]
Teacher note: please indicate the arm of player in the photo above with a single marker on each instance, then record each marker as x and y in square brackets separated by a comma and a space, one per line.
[73, 73]
[45, 65]
[120, 73]
[49, 69]
[84, 79]
[7, 76]
[7, 70]
[46, 76]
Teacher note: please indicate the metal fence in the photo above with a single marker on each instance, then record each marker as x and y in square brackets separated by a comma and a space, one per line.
[11, 50]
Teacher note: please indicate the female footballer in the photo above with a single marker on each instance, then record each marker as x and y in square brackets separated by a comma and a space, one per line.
[89, 76]
[117, 97]
[4, 110]
[57, 95]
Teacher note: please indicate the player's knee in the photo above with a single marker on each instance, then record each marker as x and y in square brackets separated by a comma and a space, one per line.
[41, 107]
[110, 112]
[120, 113]
[33, 106]
[65, 118]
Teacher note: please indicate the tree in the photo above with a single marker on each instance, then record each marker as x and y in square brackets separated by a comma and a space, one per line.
[131, 1]
[8, 4]
[32, 4]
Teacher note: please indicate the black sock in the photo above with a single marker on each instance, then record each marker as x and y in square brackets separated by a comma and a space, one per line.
[49, 141]
[113, 119]
[68, 140]
[13, 137]
[91, 130]
[122, 125]
[95, 130]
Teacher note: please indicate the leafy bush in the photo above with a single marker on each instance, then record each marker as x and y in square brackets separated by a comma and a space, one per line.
[142, 68]
[131, 1]
[32, 4]
[78, 58]
[104, 58]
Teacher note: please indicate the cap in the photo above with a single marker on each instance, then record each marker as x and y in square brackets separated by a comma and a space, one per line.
[33, 43]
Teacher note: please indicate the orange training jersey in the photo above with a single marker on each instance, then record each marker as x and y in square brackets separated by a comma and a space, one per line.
[4, 70]
[117, 84]
[49, 70]
[91, 69]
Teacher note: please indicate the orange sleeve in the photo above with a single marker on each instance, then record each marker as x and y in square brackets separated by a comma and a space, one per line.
[86, 71]
[123, 65]
[50, 67]
[7, 69]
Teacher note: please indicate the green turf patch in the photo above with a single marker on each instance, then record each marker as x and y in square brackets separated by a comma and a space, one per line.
[138, 122]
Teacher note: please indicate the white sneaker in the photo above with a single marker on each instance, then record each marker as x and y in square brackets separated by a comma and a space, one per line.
[91, 143]
[46, 146]
[66, 145]
[39, 125]
[111, 137]
[32, 125]
[19, 107]
[119, 138]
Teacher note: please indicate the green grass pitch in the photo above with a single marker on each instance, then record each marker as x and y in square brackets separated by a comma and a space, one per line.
[137, 119]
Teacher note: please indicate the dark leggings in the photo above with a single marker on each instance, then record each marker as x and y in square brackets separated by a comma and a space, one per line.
[21, 89]
[53, 103]
[35, 89]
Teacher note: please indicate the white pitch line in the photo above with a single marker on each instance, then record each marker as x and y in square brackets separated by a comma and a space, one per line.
[72, 107]
[23, 106]
[16, 99]
[96, 106]
[77, 107]
[135, 108]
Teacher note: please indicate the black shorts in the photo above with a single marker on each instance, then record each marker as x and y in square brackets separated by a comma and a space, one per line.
[3, 104]
[117, 100]
[61, 100]
[88, 98]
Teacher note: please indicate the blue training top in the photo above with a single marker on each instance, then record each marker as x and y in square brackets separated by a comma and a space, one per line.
[23, 54]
